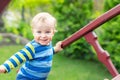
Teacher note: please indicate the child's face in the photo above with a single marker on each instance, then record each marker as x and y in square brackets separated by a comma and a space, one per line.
[43, 35]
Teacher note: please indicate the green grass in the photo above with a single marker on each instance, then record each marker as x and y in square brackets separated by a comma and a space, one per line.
[63, 68]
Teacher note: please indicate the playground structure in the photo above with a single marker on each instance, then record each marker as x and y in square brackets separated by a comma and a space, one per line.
[88, 33]
[91, 38]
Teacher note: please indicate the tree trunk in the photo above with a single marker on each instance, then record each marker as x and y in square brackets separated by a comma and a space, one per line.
[22, 13]
[1, 24]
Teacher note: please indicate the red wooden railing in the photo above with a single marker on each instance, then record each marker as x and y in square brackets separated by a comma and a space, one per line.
[92, 25]
[91, 38]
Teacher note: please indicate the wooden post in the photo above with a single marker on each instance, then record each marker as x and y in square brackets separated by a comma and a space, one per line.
[103, 55]
[3, 4]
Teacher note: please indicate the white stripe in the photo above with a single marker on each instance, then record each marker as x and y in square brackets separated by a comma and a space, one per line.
[41, 63]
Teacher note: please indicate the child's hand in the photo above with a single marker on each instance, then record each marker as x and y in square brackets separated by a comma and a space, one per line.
[2, 69]
[58, 47]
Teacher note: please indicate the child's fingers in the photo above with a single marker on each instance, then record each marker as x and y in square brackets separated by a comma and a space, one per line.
[2, 69]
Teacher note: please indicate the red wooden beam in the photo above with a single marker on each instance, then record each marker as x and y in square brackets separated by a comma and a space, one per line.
[3, 4]
[92, 25]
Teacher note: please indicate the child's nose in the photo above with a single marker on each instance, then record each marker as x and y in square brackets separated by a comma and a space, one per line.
[43, 35]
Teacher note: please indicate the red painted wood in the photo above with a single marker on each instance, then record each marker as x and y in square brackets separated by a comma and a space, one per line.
[3, 4]
[92, 25]
[103, 55]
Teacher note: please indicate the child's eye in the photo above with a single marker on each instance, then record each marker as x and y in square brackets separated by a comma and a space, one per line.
[38, 31]
[48, 31]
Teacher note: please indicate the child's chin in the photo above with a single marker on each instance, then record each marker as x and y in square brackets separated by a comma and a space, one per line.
[44, 43]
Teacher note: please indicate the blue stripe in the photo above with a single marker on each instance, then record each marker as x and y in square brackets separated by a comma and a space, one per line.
[31, 76]
[25, 55]
[19, 58]
[29, 49]
[38, 69]
[42, 48]
[7, 66]
[21, 77]
[45, 58]
[13, 62]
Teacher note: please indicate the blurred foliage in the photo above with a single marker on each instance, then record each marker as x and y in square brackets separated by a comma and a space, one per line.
[20, 13]
[108, 4]
[109, 34]
[72, 15]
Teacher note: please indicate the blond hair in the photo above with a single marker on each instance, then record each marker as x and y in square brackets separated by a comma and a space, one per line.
[44, 19]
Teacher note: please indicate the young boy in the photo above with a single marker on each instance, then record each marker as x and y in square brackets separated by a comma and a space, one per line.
[38, 53]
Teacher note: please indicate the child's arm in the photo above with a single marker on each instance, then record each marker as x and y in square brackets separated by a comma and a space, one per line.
[24, 54]
[58, 47]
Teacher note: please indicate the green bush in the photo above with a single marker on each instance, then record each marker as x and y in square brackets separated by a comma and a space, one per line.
[72, 15]
[24, 29]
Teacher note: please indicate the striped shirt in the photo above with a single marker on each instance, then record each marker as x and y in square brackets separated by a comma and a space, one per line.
[38, 61]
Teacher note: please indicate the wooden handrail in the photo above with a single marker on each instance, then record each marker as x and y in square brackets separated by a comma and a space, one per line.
[92, 25]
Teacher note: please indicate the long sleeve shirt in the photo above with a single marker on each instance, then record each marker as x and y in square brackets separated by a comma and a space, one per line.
[37, 58]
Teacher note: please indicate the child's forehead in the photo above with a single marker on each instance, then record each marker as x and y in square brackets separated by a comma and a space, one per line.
[45, 25]
[42, 27]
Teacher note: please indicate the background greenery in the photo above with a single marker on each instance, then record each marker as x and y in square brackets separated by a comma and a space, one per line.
[72, 15]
